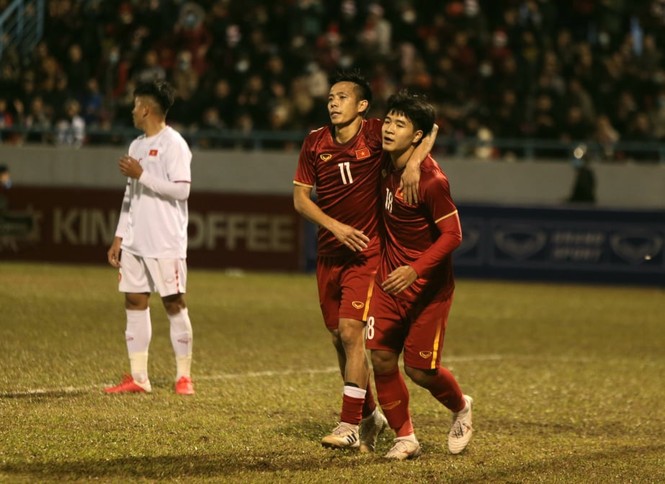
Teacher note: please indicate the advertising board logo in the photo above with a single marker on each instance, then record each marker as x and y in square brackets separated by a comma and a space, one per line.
[519, 241]
[470, 239]
[18, 229]
[636, 246]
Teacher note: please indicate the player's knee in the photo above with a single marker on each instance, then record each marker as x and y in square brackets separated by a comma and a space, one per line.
[136, 302]
[383, 362]
[419, 376]
[351, 332]
[336, 339]
[174, 304]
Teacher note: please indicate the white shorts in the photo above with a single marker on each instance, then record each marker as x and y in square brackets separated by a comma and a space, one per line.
[143, 274]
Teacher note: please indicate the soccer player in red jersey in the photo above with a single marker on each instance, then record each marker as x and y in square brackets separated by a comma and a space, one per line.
[415, 282]
[343, 162]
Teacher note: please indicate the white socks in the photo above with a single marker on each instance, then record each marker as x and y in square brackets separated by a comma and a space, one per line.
[138, 336]
[354, 392]
[181, 340]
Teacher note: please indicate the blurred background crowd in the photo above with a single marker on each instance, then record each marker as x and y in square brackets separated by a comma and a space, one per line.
[561, 71]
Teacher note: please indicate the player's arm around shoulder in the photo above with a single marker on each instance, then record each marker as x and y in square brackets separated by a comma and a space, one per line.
[410, 181]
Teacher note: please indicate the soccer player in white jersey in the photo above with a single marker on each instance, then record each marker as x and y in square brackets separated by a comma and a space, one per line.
[150, 243]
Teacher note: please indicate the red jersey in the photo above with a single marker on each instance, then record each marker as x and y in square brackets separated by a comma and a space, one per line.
[346, 177]
[422, 236]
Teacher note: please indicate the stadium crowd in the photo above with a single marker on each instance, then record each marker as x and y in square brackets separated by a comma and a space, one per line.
[568, 70]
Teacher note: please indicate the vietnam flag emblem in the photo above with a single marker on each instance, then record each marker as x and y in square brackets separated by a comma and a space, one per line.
[362, 153]
[152, 153]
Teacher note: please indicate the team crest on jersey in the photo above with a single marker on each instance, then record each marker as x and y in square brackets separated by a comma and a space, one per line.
[425, 354]
[152, 153]
[358, 304]
[362, 153]
[325, 156]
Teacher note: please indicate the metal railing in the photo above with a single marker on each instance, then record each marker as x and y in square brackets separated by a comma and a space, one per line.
[524, 149]
[21, 26]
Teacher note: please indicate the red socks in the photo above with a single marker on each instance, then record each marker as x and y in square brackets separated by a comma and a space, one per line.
[352, 404]
[370, 404]
[394, 399]
[446, 390]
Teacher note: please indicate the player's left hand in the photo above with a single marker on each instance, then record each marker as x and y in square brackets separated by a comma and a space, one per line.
[399, 279]
[130, 167]
[409, 183]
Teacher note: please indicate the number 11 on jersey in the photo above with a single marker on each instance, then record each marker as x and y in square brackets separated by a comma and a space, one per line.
[345, 171]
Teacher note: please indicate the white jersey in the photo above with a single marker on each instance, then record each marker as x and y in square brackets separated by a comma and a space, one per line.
[153, 220]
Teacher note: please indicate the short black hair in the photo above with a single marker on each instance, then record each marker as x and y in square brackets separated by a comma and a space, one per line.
[160, 91]
[415, 107]
[355, 77]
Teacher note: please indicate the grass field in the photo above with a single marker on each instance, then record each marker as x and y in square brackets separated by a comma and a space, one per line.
[567, 379]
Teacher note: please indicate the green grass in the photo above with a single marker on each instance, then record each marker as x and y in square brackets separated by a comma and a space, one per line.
[567, 379]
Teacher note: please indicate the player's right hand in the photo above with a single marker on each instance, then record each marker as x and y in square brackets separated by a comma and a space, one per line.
[113, 254]
[352, 238]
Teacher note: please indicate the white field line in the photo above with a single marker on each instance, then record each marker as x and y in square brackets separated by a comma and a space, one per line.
[258, 374]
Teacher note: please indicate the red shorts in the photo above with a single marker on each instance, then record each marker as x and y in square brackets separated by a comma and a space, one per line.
[345, 286]
[395, 324]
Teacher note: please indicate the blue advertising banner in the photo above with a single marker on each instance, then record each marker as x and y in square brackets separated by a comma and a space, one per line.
[566, 243]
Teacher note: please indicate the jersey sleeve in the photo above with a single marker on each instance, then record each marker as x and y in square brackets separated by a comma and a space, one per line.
[123, 219]
[306, 169]
[179, 161]
[436, 197]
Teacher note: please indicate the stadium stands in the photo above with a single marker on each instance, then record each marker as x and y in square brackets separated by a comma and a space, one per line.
[511, 79]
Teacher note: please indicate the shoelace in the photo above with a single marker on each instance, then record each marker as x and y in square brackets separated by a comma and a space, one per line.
[459, 428]
[342, 429]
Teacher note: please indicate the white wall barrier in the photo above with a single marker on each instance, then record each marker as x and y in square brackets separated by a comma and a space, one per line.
[64, 206]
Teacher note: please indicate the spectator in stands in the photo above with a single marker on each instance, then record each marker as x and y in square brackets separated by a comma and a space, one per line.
[150, 70]
[575, 126]
[211, 124]
[37, 122]
[71, 127]
[224, 100]
[92, 103]
[606, 137]
[254, 100]
[508, 116]
[463, 54]
[5, 185]
[56, 94]
[375, 36]
[77, 69]
[6, 117]
[657, 115]
[185, 78]
[545, 124]
[640, 133]
[191, 34]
